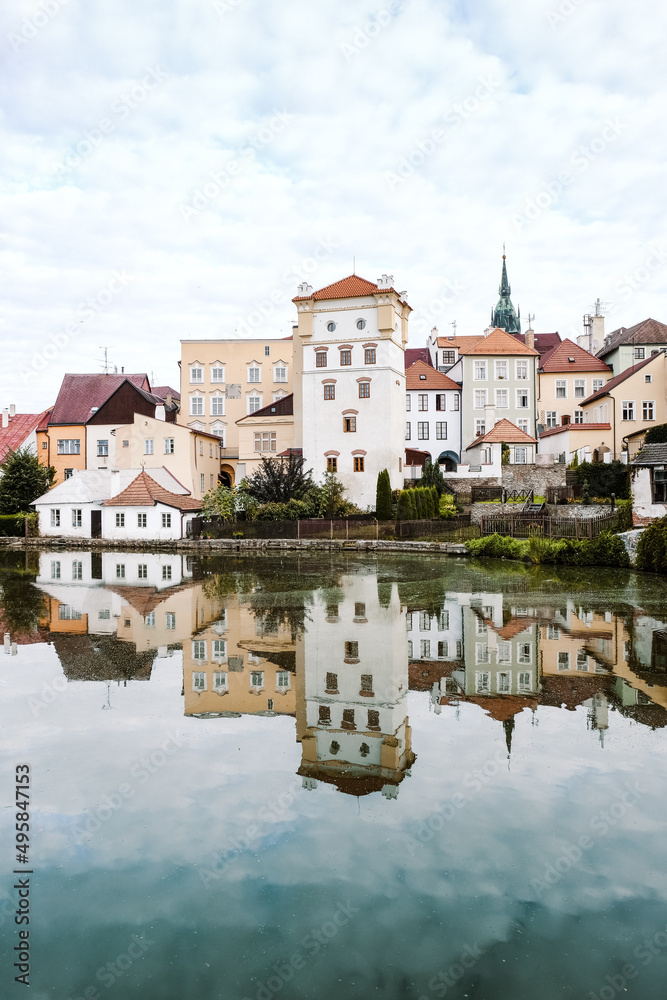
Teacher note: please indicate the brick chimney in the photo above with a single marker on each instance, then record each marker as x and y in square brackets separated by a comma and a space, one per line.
[530, 339]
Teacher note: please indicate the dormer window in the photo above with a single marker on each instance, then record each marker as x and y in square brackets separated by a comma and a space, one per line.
[422, 378]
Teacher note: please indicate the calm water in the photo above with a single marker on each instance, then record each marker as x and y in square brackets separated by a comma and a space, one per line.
[335, 778]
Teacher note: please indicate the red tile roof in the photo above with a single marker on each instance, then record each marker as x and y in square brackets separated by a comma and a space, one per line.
[413, 354]
[145, 492]
[503, 431]
[649, 331]
[460, 343]
[162, 391]
[351, 287]
[499, 342]
[543, 342]
[558, 359]
[574, 427]
[20, 427]
[613, 382]
[415, 457]
[78, 393]
[431, 379]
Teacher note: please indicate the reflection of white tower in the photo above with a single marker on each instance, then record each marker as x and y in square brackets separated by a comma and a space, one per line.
[354, 731]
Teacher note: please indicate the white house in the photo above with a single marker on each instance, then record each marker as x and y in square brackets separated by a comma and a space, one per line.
[484, 454]
[649, 483]
[146, 510]
[433, 414]
[349, 382]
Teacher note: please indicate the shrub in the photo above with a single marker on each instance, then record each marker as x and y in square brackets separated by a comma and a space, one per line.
[404, 511]
[383, 509]
[656, 435]
[12, 525]
[605, 478]
[652, 547]
[624, 515]
[605, 550]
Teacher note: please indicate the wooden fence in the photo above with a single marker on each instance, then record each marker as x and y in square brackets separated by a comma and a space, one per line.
[543, 526]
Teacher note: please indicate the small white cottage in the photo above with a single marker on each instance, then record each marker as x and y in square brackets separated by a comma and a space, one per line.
[648, 471]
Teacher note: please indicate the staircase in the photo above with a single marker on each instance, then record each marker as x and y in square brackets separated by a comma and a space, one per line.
[530, 507]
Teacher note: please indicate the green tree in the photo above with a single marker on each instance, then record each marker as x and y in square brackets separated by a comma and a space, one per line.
[432, 476]
[656, 435]
[383, 510]
[220, 502]
[333, 500]
[279, 480]
[404, 509]
[23, 481]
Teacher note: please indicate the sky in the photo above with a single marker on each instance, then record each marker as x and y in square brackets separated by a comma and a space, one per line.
[173, 169]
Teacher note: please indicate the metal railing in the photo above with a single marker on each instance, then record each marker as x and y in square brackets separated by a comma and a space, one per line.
[543, 526]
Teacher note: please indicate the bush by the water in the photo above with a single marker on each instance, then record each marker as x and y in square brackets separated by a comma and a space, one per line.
[10, 524]
[605, 550]
[652, 547]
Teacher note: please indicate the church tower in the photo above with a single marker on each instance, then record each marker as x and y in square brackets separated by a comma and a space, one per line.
[503, 316]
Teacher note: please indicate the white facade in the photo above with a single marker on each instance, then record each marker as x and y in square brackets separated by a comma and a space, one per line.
[101, 446]
[433, 423]
[436, 637]
[146, 523]
[79, 578]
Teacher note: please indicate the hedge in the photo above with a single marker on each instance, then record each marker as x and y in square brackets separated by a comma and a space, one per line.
[605, 550]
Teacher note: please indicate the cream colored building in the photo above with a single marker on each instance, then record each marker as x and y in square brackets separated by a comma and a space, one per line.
[566, 376]
[224, 380]
[192, 456]
[265, 434]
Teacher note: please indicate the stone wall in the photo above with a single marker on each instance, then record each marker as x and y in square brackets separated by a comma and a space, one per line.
[533, 477]
[480, 510]
[631, 539]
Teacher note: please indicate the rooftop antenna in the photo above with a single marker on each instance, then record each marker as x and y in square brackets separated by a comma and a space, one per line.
[107, 364]
[531, 317]
[453, 324]
[354, 265]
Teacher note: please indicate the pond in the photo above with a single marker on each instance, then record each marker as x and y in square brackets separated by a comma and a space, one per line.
[332, 776]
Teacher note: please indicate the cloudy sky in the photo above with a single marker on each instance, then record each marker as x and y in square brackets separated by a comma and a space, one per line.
[173, 169]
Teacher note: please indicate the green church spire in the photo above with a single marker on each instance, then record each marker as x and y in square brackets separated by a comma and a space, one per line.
[503, 316]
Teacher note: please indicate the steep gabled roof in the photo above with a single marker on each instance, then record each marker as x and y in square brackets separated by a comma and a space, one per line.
[423, 376]
[283, 407]
[503, 431]
[78, 393]
[542, 342]
[413, 354]
[613, 382]
[649, 331]
[145, 492]
[569, 357]
[459, 343]
[20, 427]
[162, 391]
[500, 342]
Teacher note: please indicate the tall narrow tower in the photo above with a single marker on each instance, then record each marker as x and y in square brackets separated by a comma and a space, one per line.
[503, 316]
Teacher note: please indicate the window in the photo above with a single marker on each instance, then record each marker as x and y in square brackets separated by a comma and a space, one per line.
[166, 520]
[219, 680]
[597, 384]
[553, 632]
[67, 613]
[373, 718]
[481, 652]
[425, 647]
[126, 444]
[410, 648]
[202, 481]
[349, 425]
[443, 622]
[525, 681]
[320, 359]
[351, 650]
[455, 402]
[45, 445]
[348, 718]
[648, 410]
[219, 649]
[480, 428]
[563, 660]
[170, 621]
[408, 431]
[522, 398]
[408, 402]
[525, 653]
[359, 609]
[196, 406]
[422, 430]
[422, 401]
[120, 571]
[501, 370]
[480, 370]
[104, 614]
[329, 391]
[521, 371]
[480, 399]
[279, 373]
[504, 682]
[502, 398]
[76, 517]
[254, 374]
[481, 627]
[103, 449]
[640, 353]
[257, 678]
[659, 485]
[267, 350]
[578, 416]
[552, 418]
[217, 374]
[254, 403]
[198, 680]
[628, 409]
[324, 715]
[142, 571]
[331, 326]
[199, 649]
[441, 430]
[69, 446]
[522, 424]
[648, 378]
[201, 448]
[120, 520]
[196, 375]
[361, 324]
[332, 684]
[440, 401]
[149, 620]
[504, 652]
[77, 570]
[69, 473]
[358, 463]
[443, 650]
[364, 390]
[561, 389]
[424, 621]
[217, 406]
[148, 446]
[346, 357]
[482, 682]
[265, 440]
[332, 463]
[369, 356]
[582, 660]
[55, 569]
[579, 388]
[283, 679]
[520, 456]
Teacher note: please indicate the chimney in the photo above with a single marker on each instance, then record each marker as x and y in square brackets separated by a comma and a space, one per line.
[597, 333]
[169, 400]
[5, 417]
[12, 410]
[530, 338]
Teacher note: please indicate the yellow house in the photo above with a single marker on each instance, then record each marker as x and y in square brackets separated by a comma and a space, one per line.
[566, 376]
[192, 457]
[264, 434]
[224, 380]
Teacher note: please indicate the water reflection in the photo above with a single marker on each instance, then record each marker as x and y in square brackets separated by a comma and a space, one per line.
[339, 650]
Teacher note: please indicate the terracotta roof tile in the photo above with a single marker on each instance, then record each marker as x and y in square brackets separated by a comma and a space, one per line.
[413, 354]
[543, 342]
[162, 391]
[351, 287]
[574, 427]
[78, 393]
[145, 492]
[649, 331]
[499, 342]
[558, 359]
[20, 427]
[460, 343]
[613, 382]
[432, 379]
[506, 431]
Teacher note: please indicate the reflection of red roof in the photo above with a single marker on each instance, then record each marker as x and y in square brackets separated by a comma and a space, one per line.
[20, 427]
[423, 376]
[500, 707]
[79, 393]
[145, 492]
[568, 691]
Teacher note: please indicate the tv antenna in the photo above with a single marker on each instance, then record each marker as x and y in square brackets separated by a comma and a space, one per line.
[106, 365]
